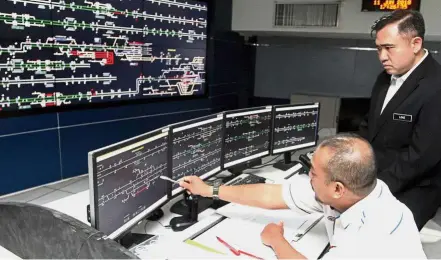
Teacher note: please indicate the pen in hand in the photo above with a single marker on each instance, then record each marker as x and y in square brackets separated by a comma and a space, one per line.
[168, 179]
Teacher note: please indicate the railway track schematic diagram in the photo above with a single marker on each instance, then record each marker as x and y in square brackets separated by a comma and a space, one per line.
[295, 126]
[246, 134]
[197, 148]
[62, 53]
[125, 177]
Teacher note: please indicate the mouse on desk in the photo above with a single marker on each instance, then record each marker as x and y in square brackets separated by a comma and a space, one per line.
[182, 226]
[179, 224]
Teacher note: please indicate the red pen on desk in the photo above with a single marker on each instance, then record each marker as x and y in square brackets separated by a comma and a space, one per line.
[236, 251]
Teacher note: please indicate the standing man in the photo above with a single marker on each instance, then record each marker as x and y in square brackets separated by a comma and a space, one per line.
[404, 121]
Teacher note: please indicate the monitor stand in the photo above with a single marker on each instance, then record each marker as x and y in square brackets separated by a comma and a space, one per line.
[286, 164]
[238, 169]
[189, 219]
[182, 207]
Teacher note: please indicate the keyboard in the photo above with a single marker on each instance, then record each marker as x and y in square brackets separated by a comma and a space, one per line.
[246, 179]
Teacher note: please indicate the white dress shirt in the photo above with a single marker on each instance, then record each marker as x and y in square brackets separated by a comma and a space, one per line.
[396, 82]
[378, 226]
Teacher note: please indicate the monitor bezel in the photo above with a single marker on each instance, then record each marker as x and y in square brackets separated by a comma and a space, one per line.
[245, 160]
[93, 191]
[172, 193]
[296, 147]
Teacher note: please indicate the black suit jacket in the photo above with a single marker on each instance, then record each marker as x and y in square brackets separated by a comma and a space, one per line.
[406, 137]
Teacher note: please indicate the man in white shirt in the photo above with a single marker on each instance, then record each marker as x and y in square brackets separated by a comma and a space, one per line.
[363, 219]
[404, 117]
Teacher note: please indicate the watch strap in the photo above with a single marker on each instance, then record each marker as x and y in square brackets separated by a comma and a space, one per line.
[216, 191]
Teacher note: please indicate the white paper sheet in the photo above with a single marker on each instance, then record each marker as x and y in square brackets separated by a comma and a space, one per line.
[240, 234]
[291, 220]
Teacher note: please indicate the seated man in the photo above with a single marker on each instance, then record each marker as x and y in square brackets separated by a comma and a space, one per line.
[363, 219]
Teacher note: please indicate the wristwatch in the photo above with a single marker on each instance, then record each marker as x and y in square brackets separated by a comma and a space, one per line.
[216, 186]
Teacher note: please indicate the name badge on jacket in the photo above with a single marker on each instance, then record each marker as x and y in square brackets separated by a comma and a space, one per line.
[402, 117]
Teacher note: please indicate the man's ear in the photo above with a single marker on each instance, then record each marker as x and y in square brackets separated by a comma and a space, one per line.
[417, 44]
[339, 190]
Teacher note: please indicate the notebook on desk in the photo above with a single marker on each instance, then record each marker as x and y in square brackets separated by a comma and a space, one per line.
[244, 236]
[296, 226]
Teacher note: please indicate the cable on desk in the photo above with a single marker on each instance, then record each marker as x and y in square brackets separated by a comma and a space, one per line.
[165, 226]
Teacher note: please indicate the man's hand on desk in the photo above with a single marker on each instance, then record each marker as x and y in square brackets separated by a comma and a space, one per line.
[272, 235]
[196, 186]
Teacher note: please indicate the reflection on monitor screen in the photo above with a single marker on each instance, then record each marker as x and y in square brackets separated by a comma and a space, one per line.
[125, 182]
[196, 148]
[247, 135]
[295, 127]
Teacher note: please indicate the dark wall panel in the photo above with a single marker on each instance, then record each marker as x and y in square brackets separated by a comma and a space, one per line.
[29, 160]
[332, 67]
[367, 67]
[281, 72]
[16, 125]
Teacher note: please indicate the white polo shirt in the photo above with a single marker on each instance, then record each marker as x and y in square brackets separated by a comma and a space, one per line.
[378, 226]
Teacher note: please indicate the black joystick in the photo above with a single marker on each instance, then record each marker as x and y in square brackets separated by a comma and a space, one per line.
[181, 223]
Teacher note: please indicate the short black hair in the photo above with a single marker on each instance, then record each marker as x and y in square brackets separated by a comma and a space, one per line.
[410, 22]
[352, 162]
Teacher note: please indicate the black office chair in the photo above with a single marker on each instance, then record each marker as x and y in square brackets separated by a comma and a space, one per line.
[31, 231]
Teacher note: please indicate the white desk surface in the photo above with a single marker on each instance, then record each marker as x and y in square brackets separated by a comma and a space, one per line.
[6, 254]
[74, 205]
[312, 244]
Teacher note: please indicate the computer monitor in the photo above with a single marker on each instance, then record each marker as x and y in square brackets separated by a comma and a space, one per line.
[124, 182]
[247, 135]
[351, 114]
[195, 149]
[294, 127]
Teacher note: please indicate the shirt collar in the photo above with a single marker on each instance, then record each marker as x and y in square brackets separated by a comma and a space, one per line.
[356, 213]
[405, 76]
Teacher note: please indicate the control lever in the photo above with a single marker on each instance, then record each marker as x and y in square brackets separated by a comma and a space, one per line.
[304, 160]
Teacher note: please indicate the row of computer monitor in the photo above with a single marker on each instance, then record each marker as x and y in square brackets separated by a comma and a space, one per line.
[124, 177]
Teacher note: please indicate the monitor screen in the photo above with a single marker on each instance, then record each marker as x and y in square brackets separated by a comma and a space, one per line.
[78, 52]
[295, 127]
[247, 135]
[125, 184]
[196, 148]
[352, 113]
